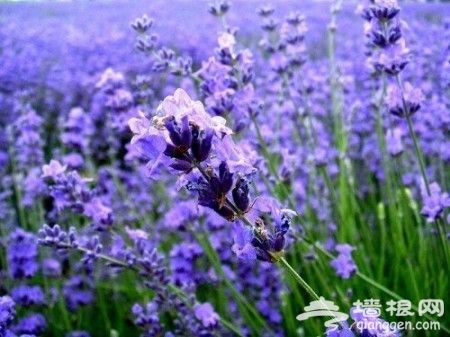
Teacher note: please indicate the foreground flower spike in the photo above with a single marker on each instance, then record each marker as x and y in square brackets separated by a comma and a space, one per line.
[178, 134]
[199, 146]
[142, 258]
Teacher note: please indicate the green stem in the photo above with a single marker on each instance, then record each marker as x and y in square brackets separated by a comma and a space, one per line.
[305, 285]
[298, 278]
[418, 153]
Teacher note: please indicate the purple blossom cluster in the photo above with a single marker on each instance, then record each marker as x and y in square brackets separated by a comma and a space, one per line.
[184, 138]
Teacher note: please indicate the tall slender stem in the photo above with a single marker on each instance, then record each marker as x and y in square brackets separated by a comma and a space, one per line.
[440, 225]
[306, 286]
[299, 279]
[413, 135]
[419, 155]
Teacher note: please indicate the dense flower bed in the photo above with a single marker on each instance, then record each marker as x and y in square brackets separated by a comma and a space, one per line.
[191, 169]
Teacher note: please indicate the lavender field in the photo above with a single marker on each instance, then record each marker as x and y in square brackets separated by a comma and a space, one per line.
[224, 168]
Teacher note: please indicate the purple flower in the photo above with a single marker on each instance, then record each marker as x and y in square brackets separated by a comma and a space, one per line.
[371, 326]
[179, 125]
[136, 234]
[33, 324]
[77, 130]
[269, 239]
[22, 254]
[201, 144]
[7, 312]
[78, 292]
[34, 187]
[241, 194]
[392, 59]
[434, 203]
[394, 143]
[28, 295]
[242, 246]
[183, 257]
[180, 105]
[345, 332]
[110, 79]
[100, 214]
[219, 9]
[147, 317]
[384, 10]
[51, 267]
[53, 169]
[206, 314]
[54, 235]
[180, 215]
[238, 158]
[343, 264]
[212, 193]
[28, 140]
[385, 33]
[73, 160]
[142, 24]
[151, 148]
[412, 97]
